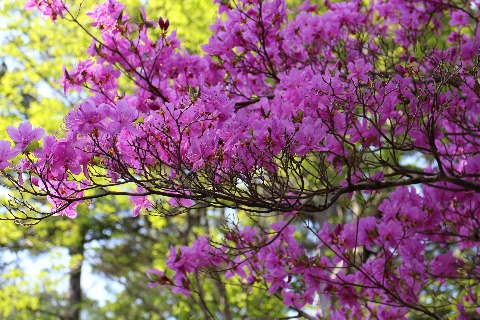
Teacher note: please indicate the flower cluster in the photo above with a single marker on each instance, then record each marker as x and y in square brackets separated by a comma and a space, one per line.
[288, 111]
[403, 258]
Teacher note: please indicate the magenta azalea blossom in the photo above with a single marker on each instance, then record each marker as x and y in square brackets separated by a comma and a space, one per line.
[6, 154]
[140, 202]
[24, 134]
[359, 70]
[87, 117]
[122, 116]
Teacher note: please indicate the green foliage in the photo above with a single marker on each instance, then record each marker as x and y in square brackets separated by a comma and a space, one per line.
[33, 54]
[21, 299]
[190, 18]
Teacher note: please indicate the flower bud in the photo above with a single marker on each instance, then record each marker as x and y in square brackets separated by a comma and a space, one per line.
[163, 24]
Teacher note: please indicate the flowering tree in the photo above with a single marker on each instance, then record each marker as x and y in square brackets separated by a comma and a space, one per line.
[288, 112]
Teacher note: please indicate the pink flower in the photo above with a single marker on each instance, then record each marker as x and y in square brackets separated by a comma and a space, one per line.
[122, 117]
[156, 277]
[65, 158]
[139, 202]
[446, 265]
[359, 70]
[105, 16]
[63, 198]
[459, 18]
[6, 154]
[87, 117]
[390, 233]
[182, 202]
[367, 231]
[51, 8]
[24, 135]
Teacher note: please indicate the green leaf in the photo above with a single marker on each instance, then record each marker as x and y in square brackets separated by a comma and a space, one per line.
[34, 145]
[119, 19]
[139, 120]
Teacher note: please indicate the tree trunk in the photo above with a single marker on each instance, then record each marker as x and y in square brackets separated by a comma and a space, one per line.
[74, 289]
[222, 296]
